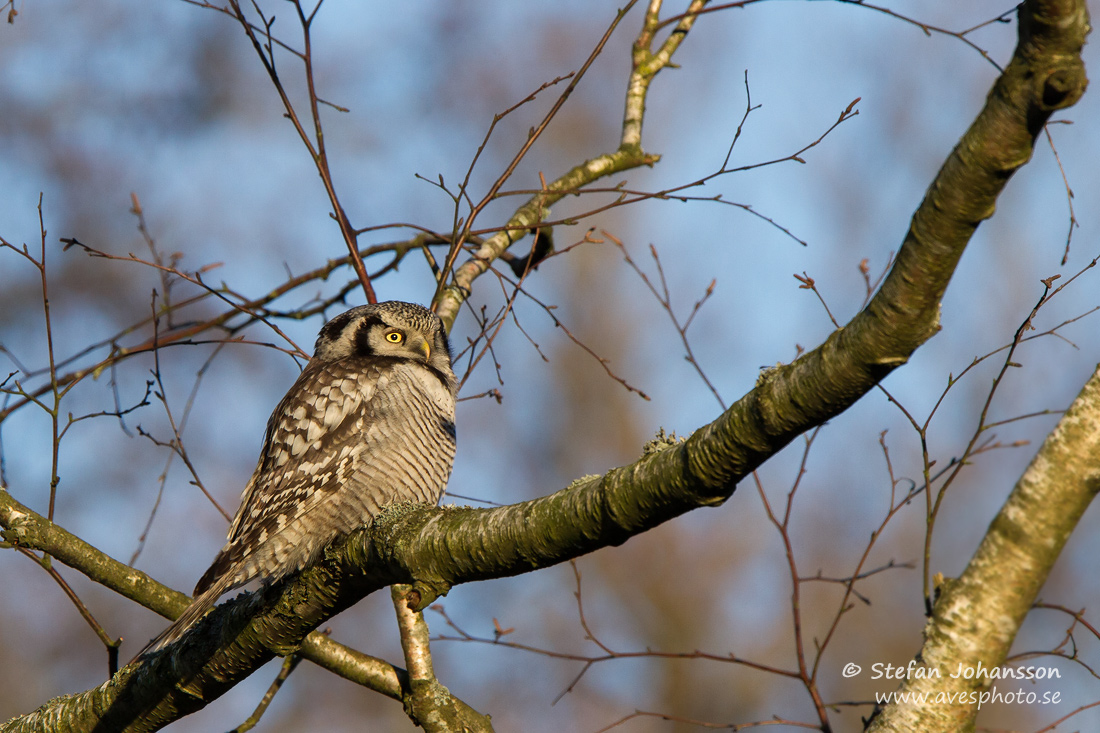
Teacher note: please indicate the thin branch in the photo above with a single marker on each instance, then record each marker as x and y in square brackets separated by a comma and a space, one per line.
[289, 664]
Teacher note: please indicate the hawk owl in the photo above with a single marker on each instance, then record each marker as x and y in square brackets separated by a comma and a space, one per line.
[369, 421]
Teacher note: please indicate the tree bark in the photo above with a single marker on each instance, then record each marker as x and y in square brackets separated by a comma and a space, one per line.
[978, 614]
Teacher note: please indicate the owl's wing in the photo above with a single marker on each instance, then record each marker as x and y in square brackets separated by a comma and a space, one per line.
[326, 409]
[349, 437]
[317, 433]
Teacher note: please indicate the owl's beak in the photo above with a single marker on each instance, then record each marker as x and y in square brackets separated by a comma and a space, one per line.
[426, 348]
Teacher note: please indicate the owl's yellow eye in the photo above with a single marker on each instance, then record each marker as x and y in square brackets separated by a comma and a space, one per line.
[395, 337]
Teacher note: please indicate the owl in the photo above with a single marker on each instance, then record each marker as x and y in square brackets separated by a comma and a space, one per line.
[369, 421]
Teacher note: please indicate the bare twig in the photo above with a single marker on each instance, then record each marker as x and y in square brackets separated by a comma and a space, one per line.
[111, 645]
[665, 299]
[315, 145]
[806, 673]
[289, 664]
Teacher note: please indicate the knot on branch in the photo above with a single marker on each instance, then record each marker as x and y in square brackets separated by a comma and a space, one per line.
[424, 593]
[1063, 87]
[1051, 39]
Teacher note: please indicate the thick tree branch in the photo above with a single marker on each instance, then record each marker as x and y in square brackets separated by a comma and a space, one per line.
[977, 615]
[22, 526]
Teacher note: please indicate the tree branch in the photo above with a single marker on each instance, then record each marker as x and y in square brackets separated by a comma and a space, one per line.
[23, 527]
[1004, 576]
[429, 704]
[528, 216]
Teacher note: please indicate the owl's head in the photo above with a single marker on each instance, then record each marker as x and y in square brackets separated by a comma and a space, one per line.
[392, 329]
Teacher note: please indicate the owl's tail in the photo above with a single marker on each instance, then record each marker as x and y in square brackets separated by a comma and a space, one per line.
[200, 604]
